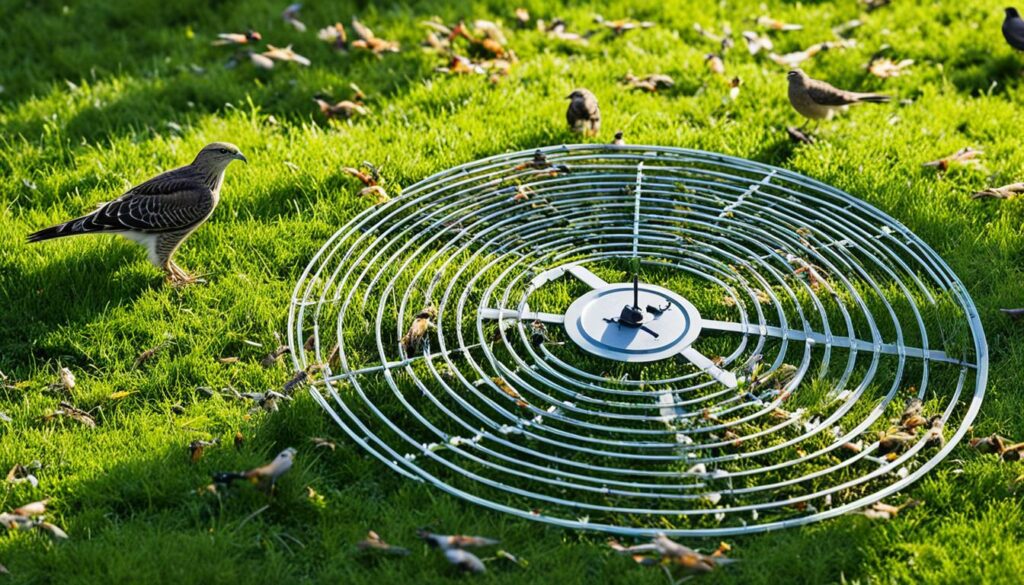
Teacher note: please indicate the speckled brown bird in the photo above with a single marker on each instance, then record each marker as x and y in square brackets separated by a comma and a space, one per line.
[162, 212]
[818, 100]
[583, 114]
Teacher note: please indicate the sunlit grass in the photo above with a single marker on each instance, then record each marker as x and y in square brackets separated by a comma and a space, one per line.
[126, 492]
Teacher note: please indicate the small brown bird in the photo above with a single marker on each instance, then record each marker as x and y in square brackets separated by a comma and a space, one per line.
[264, 476]
[583, 114]
[412, 341]
[162, 212]
[817, 100]
[619, 139]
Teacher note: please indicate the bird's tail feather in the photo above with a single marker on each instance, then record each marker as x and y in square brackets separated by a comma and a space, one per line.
[86, 224]
[875, 98]
[57, 231]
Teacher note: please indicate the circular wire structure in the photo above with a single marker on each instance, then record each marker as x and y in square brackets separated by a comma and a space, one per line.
[790, 354]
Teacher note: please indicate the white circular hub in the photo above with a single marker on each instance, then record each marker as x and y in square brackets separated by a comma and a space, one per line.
[671, 323]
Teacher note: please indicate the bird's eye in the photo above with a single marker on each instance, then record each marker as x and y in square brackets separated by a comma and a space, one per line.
[224, 151]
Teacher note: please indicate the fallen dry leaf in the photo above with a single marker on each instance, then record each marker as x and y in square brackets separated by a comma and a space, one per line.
[966, 156]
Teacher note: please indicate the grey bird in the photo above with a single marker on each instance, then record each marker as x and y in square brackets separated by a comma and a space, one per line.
[583, 114]
[1013, 29]
[817, 100]
[162, 212]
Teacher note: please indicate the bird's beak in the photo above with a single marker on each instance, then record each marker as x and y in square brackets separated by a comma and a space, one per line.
[242, 158]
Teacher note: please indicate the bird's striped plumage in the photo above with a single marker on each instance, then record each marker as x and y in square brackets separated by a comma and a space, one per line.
[161, 212]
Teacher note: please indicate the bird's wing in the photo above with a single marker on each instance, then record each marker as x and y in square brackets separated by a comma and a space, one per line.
[169, 202]
[175, 205]
[825, 94]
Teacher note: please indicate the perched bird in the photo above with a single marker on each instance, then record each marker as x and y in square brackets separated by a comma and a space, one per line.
[162, 212]
[583, 114]
[1013, 29]
[619, 139]
[816, 100]
[265, 476]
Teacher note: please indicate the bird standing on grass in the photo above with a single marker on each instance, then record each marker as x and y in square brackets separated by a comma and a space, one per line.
[583, 114]
[817, 100]
[162, 212]
[1013, 29]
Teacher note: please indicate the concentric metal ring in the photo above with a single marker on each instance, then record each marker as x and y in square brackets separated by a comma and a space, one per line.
[817, 318]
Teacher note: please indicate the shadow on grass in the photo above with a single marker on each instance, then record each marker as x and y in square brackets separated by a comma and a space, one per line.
[63, 292]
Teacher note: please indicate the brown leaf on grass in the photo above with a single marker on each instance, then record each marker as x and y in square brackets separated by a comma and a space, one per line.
[342, 110]
[1005, 192]
[373, 542]
[895, 441]
[883, 511]
[885, 68]
[649, 83]
[322, 442]
[148, 354]
[33, 509]
[966, 156]
[913, 415]
[274, 357]
[368, 40]
[507, 388]
[667, 552]
[66, 410]
[285, 54]
[623, 25]
[990, 444]
[774, 24]
[228, 360]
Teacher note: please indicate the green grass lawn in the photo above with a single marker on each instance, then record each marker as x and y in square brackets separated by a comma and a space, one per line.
[98, 96]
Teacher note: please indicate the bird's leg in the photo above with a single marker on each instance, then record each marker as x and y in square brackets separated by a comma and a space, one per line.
[177, 276]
